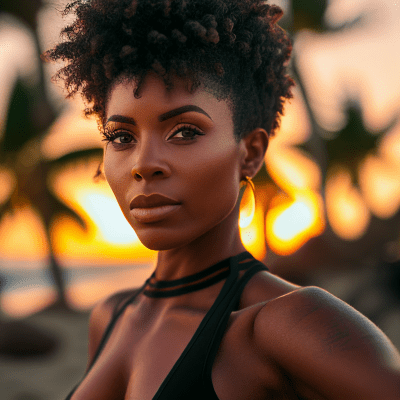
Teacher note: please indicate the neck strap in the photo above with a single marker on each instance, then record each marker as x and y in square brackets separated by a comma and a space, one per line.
[191, 283]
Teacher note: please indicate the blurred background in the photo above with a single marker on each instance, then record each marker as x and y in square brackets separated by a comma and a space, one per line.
[327, 209]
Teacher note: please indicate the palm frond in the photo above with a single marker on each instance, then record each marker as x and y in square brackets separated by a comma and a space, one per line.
[76, 156]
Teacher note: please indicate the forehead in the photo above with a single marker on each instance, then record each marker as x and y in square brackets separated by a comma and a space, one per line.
[156, 98]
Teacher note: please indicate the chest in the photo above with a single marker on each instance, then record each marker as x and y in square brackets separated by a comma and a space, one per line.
[139, 354]
[155, 354]
[145, 345]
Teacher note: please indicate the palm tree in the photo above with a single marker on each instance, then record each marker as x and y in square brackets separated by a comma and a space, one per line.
[30, 115]
[346, 148]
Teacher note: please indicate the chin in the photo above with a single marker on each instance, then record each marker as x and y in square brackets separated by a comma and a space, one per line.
[168, 239]
[157, 245]
[168, 236]
[160, 242]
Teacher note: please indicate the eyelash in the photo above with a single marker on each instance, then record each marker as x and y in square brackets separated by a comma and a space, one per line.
[190, 128]
[110, 135]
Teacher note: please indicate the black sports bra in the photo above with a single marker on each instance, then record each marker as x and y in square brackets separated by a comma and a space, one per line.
[190, 377]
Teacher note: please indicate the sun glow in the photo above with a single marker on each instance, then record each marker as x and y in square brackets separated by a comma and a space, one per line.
[380, 185]
[292, 223]
[334, 67]
[109, 237]
[292, 170]
[347, 211]
[22, 234]
[110, 221]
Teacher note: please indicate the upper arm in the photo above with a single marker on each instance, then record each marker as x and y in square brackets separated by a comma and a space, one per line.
[100, 317]
[327, 348]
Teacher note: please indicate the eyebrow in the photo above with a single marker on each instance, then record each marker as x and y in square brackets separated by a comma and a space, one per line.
[162, 117]
[181, 110]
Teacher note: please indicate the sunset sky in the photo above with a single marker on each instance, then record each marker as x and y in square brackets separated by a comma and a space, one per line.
[360, 63]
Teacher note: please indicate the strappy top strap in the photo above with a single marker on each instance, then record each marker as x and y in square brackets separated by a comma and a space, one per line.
[116, 314]
[256, 266]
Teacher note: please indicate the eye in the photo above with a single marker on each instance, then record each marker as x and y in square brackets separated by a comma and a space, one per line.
[186, 132]
[122, 138]
[118, 138]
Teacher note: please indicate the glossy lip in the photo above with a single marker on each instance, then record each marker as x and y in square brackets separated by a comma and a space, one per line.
[154, 200]
[153, 214]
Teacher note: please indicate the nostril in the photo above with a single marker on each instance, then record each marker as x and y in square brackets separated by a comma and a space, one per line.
[146, 174]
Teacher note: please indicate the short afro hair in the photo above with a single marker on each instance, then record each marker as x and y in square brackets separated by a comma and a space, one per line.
[234, 47]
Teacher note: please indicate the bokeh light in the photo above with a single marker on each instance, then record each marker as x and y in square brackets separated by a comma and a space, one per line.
[292, 222]
[347, 211]
[359, 63]
[109, 237]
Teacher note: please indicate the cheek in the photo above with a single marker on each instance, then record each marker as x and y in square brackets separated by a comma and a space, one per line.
[215, 179]
[117, 177]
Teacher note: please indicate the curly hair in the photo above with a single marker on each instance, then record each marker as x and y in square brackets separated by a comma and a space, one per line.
[233, 47]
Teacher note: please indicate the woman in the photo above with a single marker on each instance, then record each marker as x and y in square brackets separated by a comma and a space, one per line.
[187, 94]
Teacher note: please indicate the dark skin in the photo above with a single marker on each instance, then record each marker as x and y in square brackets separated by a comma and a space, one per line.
[284, 342]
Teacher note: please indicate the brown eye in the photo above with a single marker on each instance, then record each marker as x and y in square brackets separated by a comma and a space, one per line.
[123, 138]
[186, 133]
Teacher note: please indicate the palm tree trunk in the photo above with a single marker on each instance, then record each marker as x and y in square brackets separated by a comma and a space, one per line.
[59, 281]
[47, 115]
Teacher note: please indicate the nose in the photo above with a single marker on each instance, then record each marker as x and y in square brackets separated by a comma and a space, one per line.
[150, 162]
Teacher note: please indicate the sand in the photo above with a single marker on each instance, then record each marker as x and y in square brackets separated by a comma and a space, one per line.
[53, 377]
[49, 377]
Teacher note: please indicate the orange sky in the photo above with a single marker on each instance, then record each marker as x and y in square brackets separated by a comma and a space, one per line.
[362, 63]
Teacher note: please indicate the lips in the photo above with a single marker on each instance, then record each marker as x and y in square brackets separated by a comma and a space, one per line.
[154, 200]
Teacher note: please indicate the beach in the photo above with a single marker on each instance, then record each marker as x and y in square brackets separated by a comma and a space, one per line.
[52, 376]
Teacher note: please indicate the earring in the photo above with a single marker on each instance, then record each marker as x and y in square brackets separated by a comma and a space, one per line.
[247, 203]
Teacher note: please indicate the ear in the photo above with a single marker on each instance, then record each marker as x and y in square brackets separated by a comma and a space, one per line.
[254, 146]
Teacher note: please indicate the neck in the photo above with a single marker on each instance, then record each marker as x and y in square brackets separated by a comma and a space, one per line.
[219, 243]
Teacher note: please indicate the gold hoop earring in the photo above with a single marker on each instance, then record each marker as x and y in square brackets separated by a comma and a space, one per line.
[247, 204]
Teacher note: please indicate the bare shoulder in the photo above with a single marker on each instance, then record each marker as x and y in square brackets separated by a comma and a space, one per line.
[315, 310]
[265, 286]
[312, 306]
[314, 336]
[101, 315]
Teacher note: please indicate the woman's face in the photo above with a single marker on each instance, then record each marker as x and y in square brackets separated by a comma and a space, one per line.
[176, 144]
